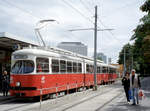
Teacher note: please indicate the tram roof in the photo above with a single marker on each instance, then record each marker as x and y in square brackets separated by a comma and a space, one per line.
[8, 41]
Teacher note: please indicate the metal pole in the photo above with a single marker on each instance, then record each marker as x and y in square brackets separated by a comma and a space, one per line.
[124, 62]
[95, 50]
[132, 62]
[41, 93]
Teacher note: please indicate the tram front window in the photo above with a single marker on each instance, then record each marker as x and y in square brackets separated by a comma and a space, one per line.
[23, 67]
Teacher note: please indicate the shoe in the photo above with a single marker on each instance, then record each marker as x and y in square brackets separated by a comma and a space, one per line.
[137, 102]
[133, 104]
[128, 102]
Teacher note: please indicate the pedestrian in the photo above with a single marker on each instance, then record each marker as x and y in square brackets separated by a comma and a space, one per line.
[135, 85]
[126, 84]
[5, 83]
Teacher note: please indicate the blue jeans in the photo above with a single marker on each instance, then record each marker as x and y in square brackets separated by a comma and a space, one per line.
[135, 95]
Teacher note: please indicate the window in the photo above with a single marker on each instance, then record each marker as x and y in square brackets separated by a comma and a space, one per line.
[91, 68]
[69, 66]
[62, 66]
[104, 69]
[42, 65]
[98, 69]
[87, 68]
[79, 67]
[55, 66]
[111, 70]
[114, 70]
[23, 67]
[74, 67]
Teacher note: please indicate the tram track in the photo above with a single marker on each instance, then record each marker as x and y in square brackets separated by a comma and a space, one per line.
[7, 101]
[90, 99]
[83, 100]
[13, 104]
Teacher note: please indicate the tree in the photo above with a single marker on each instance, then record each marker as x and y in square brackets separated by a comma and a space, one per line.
[141, 36]
[141, 46]
[128, 55]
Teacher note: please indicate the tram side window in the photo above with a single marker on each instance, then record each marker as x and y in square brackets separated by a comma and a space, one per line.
[111, 70]
[79, 67]
[74, 67]
[114, 70]
[55, 66]
[87, 68]
[98, 69]
[63, 66]
[104, 69]
[91, 69]
[42, 64]
[69, 66]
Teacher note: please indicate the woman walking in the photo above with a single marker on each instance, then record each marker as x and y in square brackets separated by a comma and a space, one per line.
[126, 84]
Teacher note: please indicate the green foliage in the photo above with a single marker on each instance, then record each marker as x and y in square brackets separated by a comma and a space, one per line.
[141, 47]
[128, 55]
[146, 6]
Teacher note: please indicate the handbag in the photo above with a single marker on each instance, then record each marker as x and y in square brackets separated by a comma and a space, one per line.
[141, 94]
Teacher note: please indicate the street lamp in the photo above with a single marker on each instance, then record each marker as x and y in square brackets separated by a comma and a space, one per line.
[37, 29]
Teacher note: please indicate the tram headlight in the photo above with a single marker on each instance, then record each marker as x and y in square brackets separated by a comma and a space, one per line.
[18, 84]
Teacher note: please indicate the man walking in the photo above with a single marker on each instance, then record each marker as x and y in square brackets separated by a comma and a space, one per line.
[135, 85]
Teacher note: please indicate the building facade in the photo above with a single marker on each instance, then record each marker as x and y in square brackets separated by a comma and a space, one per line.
[76, 47]
[109, 60]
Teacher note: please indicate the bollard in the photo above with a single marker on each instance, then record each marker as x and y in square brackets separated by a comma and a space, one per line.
[89, 85]
[76, 87]
[41, 93]
[67, 88]
[56, 90]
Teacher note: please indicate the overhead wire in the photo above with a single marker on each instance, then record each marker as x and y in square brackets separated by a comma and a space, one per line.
[21, 9]
[86, 7]
[79, 12]
[90, 20]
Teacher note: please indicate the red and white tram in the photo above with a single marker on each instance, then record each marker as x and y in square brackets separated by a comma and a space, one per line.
[53, 71]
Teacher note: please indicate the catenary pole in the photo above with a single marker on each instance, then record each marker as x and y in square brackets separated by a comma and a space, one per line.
[95, 50]
[132, 61]
[124, 62]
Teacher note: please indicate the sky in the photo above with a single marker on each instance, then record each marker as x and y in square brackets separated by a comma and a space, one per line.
[20, 17]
